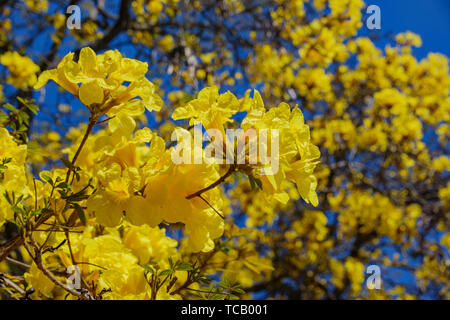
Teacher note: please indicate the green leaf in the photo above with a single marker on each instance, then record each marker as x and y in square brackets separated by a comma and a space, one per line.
[187, 97]
[252, 182]
[63, 194]
[33, 108]
[47, 178]
[30, 106]
[226, 281]
[203, 279]
[21, 100]
[80, 213]
[20, 198]
[10, 107]
[238, 290]
[39, 211]
[18, 210]
[149, 269]
[6, 195]
[259, 183]
[79, 196]
[166, 272]
[255, 183]
[23, 117]
[184, 267]
[64, 185]
[67, 163]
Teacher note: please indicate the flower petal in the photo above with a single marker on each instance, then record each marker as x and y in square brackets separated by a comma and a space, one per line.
[91, 93]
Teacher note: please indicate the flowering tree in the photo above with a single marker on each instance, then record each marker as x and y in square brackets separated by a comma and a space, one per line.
[108, 191]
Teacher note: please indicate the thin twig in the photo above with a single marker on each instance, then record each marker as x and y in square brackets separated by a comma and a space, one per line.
[92, 122]
[35, 194]
[18, 263]
[5, 282]
[103, 121]
[213, 185]
[37, 258]
[215, 210]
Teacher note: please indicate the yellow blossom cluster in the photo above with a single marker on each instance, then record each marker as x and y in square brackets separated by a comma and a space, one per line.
[22, 70]
[122, 184]
[13, 176]
[98, 81]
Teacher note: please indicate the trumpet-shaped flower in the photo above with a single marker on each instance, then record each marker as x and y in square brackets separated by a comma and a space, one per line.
[210, 108]
[100, 83]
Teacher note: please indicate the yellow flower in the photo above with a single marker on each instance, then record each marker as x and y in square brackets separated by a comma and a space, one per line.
[210, 108]
[297, 155]
[22, 70]
[355, 272]
[115, 195]
[167, 43]
[38, 281]
[165, 196]
[37, 5]
[149, 243]
[99, 82]
[12, 174]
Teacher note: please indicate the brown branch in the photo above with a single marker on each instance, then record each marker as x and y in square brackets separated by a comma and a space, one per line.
[215, 210]
[92, 122]
[106, 120]
[18, 240]
[37, 258]
[213, 185]
[120, 25]
[18, 263]
[8, 283]
[10, 246]
[189, 279]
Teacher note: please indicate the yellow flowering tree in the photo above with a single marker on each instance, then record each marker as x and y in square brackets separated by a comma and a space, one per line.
[99, 201]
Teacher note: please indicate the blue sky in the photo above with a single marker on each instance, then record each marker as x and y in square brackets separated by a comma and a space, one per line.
[428, 18]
